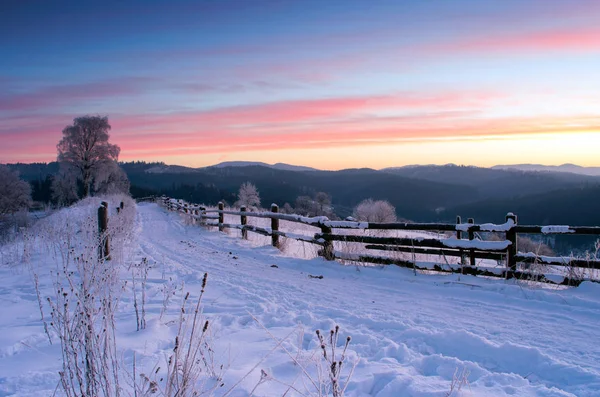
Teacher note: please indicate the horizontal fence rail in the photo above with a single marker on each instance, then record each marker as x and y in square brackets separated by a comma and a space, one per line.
[463, 243]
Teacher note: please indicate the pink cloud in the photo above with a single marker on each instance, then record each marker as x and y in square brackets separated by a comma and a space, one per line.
[347, 136]
[305, 111]
[319, 123]
[577, 40]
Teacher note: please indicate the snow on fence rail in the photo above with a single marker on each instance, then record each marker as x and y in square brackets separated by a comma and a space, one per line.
[463, 244]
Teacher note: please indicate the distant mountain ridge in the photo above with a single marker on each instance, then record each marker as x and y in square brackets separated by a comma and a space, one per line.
[414, 169]
[419, 193]
[572, 168]
[277, 166]
[164, 168]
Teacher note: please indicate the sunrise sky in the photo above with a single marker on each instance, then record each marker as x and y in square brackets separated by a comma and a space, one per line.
[329, 83]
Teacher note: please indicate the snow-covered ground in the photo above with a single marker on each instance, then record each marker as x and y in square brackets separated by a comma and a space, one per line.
[412, 335]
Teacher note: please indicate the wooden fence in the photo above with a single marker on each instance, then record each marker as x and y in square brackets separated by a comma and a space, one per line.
[463, 241]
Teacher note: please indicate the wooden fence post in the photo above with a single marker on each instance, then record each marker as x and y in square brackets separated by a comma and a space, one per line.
[327, 251]
[244, 222]
[471, 238]
[221, 216]
[202, 213]
[104, 243]
[459, 236]
[511, 235]
[274, 226]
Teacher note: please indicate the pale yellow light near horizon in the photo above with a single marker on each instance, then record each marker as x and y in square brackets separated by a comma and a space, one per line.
[582, 148]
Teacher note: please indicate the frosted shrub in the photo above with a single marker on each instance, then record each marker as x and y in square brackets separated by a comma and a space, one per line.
[370, 210]
[15, 193]
[248, 196]
[86, 292]
[526, 244]
[82, 316]
[16, 239]
[318, 205]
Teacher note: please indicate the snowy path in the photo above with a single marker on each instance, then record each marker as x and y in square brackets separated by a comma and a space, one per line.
[411, 333]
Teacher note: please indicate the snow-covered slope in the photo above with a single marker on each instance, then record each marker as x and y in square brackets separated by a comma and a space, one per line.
[411, 334]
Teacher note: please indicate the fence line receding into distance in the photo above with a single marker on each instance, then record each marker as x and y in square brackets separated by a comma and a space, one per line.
[463, 242]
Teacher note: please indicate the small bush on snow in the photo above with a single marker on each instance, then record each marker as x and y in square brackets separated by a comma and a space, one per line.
[248, 196]
[370, 210]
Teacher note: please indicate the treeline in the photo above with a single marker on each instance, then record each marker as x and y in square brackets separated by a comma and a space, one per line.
[574, 200]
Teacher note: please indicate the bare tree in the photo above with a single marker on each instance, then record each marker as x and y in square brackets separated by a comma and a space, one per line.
[85, 147]
[375, 211]
[248, 196]
[15, 193]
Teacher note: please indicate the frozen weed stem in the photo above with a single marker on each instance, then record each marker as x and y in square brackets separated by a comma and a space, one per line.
[85, 295]
[333, 362]
[82, 314]
[192, 354]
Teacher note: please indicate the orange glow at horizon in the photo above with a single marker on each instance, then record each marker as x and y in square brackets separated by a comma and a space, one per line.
[579, 147]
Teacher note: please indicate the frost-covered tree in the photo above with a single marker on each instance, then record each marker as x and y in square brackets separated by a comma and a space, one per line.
[305, 206]
[64, 185]
[85, 147]
[248, 196]
[323, 204]
[15, 193]
[111, 179]
[318, 205]
[287, 209]
[375, 211]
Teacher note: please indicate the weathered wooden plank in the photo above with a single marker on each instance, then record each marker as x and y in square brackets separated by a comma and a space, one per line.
[299, 237]
[270, 232]
[212, 217]
[256, 229]
[468, 270]
[558, 229]
[492, 246]
[436, 251]
[557, 261]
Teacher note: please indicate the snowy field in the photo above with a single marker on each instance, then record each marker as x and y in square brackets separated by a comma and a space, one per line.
[412, 335]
